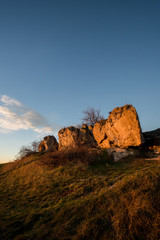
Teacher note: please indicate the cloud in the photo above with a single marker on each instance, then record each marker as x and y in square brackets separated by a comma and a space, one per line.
[9, 101]
[15, 116]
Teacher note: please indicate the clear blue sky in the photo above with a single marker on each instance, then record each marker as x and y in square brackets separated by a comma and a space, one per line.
[57, 57]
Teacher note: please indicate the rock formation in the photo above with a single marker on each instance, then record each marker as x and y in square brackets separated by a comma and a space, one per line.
[99, 133]
[68, 137]
[122, 129]
[72, 136]
[120, 133]
[49, 143]
[86, 135]
[152, 139]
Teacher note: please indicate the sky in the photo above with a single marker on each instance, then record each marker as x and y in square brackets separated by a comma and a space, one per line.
[59, 57]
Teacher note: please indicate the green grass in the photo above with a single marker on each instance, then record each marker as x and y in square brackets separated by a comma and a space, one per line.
[77, 201]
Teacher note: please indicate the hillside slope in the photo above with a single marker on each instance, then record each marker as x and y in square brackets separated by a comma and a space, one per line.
[104, 200]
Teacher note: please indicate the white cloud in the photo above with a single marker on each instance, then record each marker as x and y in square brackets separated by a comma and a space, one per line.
[9, 101]
[15, 116]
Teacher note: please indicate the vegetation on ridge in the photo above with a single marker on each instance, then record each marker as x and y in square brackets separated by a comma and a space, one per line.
[76, 200]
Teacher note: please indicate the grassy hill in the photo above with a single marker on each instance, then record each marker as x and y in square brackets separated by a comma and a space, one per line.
[76, 200]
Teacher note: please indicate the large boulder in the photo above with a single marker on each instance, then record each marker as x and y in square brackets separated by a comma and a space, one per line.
[72, 137]
[49, 143]
[122, 129]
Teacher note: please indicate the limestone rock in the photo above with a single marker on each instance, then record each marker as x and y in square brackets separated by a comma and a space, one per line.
[72, 137]
[90, 127]
[119, 153]
[86, 136]
[155, 149]
[99, 133]
[68, 137]
[152, 138]
[123, 128]
[49, 143]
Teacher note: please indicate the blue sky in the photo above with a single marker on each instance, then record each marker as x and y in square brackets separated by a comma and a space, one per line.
[59, 57]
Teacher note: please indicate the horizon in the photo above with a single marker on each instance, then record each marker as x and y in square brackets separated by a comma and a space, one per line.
[58, 58]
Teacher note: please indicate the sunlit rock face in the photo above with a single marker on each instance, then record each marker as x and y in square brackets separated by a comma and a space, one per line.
[122, 129]
[72, 137]
[49, 143]
[68, 137]
[99, 133]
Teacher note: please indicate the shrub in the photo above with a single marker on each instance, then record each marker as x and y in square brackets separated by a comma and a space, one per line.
[26, 151]
[82, 154]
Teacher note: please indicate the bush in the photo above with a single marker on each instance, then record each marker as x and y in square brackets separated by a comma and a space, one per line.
[82, 154]
[26, 151]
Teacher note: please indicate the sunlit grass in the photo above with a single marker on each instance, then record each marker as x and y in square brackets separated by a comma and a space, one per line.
[102, 200]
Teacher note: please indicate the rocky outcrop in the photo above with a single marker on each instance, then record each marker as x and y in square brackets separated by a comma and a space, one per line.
[68, 137]
[120, 134]
[100, 135]
[152, 139]
[122, 129]
[49, 143]
[86, 136]
[72, 137]
[90, 127]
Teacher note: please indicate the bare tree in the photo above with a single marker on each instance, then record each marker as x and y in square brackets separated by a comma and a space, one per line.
[24, 152]
[91, 116]
[35, 145]
[28, 150]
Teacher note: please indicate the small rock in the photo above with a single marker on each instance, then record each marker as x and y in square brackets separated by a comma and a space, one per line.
[49, 143]
[119, 153]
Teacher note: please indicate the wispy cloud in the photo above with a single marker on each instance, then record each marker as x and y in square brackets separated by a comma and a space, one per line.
[9, 101]
[15, 116]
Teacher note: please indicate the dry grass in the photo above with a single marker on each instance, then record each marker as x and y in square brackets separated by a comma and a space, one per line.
[80, 201]
[19, 162]
[81, 154]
